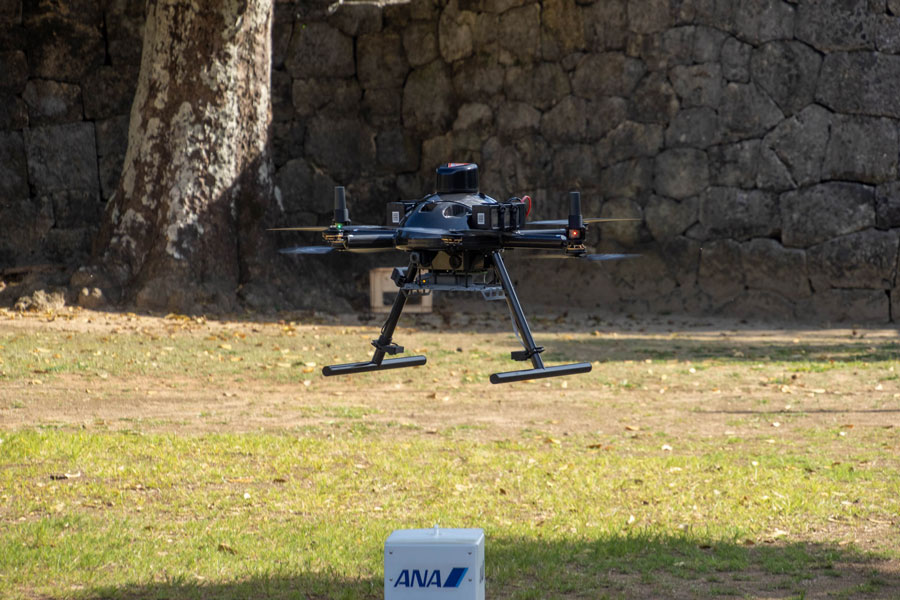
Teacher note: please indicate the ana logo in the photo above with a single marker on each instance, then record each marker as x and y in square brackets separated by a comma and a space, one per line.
[412, 578]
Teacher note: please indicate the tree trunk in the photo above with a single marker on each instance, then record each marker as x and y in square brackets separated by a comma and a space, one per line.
[183, 231]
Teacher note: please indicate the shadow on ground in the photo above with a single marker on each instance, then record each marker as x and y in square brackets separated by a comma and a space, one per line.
[635, 566]
[735, 349]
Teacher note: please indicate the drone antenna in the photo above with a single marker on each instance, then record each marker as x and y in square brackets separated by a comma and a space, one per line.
[341, 214]
[575, 219]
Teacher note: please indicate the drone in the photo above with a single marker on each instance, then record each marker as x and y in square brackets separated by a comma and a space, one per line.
[455, 239]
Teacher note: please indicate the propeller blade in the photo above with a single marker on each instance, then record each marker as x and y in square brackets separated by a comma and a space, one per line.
[310, 228]
[607, 256]
[591, 257]
[604, 220]
[320, 228]
[565, 222]
[307, 250]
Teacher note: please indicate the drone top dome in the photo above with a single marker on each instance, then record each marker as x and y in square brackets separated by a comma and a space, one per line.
[456, 178]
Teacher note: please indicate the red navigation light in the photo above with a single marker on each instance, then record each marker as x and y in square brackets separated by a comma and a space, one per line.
[574, 234]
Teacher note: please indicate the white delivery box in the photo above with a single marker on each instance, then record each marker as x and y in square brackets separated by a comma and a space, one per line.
[434, 563]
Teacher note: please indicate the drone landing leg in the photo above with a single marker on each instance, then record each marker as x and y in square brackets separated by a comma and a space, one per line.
[531, 351]
[384, 345]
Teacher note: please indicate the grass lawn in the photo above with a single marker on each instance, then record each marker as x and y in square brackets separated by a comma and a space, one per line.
[169, 457]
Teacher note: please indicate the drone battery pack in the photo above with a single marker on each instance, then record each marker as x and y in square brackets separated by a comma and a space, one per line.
[395, 213]
[506, 216]
[485, 217]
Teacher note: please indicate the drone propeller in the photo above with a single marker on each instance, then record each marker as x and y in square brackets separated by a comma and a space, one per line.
[321, 228]
[307, 250]
[310, 228]
[591, 257]
[565, 222]
[598, 257]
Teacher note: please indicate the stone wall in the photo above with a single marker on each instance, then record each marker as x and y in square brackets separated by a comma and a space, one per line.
[67, 76]
[755, 140]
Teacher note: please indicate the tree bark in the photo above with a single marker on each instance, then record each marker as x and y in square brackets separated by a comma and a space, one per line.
[183, 232]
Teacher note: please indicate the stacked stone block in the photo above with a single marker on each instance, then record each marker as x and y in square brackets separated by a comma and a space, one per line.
[67, 76]
[756, 141]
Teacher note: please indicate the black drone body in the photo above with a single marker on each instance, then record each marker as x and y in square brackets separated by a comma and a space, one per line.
[455, 239]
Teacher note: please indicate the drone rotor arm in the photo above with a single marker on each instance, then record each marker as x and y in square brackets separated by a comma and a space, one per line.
[370, 240]
[536, 240]
[587, 221]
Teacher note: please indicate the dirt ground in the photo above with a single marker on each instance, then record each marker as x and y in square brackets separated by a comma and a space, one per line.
[663, 397]
[640, 395]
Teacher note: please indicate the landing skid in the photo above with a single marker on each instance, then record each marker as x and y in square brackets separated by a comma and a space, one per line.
[557, 371]
[532, 351]
[384, 345]
[364, 367]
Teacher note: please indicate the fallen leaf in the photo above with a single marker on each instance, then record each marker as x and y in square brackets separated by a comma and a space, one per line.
[223, 547]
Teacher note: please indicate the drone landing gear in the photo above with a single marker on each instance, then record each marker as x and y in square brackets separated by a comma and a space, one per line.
[384, 345]
[531, 352]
